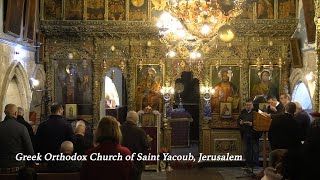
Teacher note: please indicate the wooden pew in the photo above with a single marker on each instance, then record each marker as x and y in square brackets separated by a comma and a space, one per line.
[60, 176]
[8, 176]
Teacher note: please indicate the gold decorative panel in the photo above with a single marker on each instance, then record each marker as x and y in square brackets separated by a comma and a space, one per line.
[74, 9]
[52, 9]
[138, 10]
[225, 141]
[117, 10]
[95, 9]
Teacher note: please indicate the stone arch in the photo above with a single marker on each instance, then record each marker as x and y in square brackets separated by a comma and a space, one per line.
[17, 70]
[36, 101]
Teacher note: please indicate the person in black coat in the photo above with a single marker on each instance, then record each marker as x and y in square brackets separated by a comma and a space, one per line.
[250, 137]
[21, 120]
[283, 134]
[135, 139]
[275, 107]
[14, 139]
[52, 132]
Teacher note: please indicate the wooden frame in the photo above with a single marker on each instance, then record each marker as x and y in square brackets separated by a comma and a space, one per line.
[71, 111]
[226, 110]
[30, 20]
[254, 79]
[215, 82]
[309, 12]
[148, 94]
[14, 17]
[40, 42]
[296, 54]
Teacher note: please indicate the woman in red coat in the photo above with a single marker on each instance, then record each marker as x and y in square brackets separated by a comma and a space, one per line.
[107, 159]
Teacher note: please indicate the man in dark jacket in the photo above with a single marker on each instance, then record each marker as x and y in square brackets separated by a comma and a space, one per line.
[283, 134]
[250, 137]
[21, 120]
[52, 132]
[135, 139]
[14, 139]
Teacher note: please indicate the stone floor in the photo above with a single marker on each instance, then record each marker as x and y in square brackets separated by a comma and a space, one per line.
[228, 173]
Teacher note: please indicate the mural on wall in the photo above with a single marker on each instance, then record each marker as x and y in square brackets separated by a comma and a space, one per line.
[226, 83]
[138, 10]
[73, 82]
[157, 7]
[14, 17]
[95, 10]
[264, 82]
[52, 9]
[74, 9]
[265, 9]
[247, 12]
[148, 84]
[287, 9]
[309, 12]
[117, 10]
[30, 20]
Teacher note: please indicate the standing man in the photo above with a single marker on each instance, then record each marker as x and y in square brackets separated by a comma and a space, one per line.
[14, 139]
[249, 136]
[135, 139]
[283, 134]
[21, 120]
[275, 107]
[52, 132]
[303, 120]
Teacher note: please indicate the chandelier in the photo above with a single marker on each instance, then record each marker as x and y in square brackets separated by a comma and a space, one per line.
[195, 24]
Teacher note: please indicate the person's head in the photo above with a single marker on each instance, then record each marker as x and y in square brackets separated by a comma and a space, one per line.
[108, 129]
[56, 109]
[20, 111]
[290, 107]
[285, 98]
[223, 73]
[66, 147]
[133, 117]
[298, 106]
[80, 128]
[11, 110]
[249, 104]
[272, 100]
[265, 76]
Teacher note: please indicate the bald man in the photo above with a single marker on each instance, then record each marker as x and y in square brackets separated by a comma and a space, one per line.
[14, 139]
[66, 148]
[135, 139]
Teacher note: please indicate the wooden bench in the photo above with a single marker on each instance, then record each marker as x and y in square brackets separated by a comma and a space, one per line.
[8, 176]
[60, 176]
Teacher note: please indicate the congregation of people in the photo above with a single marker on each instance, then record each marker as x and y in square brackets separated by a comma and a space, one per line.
[56, 136]
[294, 141]
[293, 137]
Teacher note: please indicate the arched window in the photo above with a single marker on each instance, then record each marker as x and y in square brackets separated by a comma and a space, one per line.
[111, 94]
[301, 94]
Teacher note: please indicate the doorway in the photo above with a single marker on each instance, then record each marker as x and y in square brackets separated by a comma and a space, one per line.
[187, 97]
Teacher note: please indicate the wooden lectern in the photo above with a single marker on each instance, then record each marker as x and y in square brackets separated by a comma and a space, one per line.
[262, 123]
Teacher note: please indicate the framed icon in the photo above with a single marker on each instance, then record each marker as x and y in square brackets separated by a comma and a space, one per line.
[225, 110]
[71, 111]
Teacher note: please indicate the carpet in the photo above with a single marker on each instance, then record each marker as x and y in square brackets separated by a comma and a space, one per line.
[194, 174]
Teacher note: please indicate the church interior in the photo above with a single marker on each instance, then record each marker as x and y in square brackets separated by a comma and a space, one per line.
[187, 67]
